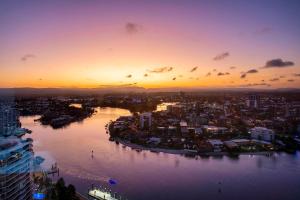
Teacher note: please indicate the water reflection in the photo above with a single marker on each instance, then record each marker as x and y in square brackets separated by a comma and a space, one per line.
[147, 175]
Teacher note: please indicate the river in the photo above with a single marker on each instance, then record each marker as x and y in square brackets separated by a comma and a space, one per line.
[158, 176]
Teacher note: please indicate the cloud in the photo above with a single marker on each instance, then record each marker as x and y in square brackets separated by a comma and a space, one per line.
[132, 28]
[208, 74]
[146, 75]
[274, 79]
[223, 74]
[180, 76]
[232, 67]
[170, 69]
[296, 74]
[255, 84]
[118, 85]
[278, 63]
[263, 31]
[27, 57]
[252, 71]
[194, 69]
[221, 56]
[161, 70]
[129, 76]
[281, 76]
[174, 78]
[291, 80]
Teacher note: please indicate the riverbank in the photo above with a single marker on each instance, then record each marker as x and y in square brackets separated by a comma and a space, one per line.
[187, 152]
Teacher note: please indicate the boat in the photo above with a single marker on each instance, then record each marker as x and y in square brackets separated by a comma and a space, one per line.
[103, 194]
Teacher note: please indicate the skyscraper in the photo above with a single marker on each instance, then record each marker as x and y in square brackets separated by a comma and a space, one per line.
[15, 168]
[253, 101]
[16, 155]
[9, 121]
[145, 120]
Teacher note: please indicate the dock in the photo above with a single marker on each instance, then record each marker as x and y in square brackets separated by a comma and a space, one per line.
[54, 170]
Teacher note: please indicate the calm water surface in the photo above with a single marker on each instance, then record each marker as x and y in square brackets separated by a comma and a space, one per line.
[151, 176]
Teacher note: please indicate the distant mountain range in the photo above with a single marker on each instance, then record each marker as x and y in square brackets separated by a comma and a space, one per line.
[127, 89]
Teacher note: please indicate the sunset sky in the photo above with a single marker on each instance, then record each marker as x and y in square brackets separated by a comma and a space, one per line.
[166, 43]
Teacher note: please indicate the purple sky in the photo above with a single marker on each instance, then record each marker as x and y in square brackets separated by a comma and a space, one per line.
[89, 43]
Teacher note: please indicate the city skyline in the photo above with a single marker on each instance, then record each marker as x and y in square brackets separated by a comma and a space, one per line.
[150, 44]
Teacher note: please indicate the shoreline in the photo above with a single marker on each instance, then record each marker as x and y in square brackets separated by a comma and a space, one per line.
[187, 152]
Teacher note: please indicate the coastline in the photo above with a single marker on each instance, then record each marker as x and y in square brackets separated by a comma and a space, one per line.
[187, 152]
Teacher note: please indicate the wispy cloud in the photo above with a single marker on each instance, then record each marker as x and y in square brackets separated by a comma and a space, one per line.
[194, 69]
[174, 78]
[291, 80]
[255, 84]
[146, 75]
[118, 85]
[221, 56]
[296, 74]
[27, 57]
[278, 63]
[251, 71]
[129, 76]
[274, 79]
[132, 28]
[161, 70]
[232, 67]
[243, 75]
[263, 31]
[208, 74]
[223, 74]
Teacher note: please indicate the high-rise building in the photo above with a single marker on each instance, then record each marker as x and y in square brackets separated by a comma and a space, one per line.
[9, 121]
[145, 120]
[253, 101]
[16, 158]
[16, 155]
